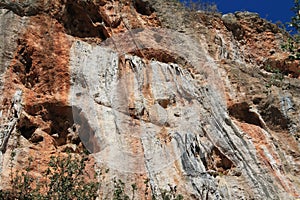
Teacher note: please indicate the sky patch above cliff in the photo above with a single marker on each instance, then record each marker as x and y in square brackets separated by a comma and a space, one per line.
[272, 10]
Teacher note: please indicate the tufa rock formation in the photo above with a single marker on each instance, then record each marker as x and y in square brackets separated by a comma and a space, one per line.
[192, 103]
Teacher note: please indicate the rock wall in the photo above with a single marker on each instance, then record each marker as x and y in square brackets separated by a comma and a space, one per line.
[162, 97]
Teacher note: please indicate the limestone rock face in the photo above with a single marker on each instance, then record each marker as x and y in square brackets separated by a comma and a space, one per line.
[170, 100]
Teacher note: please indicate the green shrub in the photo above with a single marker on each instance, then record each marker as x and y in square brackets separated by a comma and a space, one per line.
[292, 45]
[276, 78]
[200, 5]
[64, 181]
[295, 21]
[119, 190]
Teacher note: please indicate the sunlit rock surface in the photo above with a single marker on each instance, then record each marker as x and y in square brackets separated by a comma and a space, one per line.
[164, 98]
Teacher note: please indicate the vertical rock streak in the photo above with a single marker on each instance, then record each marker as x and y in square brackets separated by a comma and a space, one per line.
[186, 110]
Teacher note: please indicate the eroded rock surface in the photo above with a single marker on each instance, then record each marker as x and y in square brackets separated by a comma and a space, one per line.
[186, 106]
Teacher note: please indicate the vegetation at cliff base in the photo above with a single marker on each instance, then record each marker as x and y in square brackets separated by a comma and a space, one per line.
[65, 179]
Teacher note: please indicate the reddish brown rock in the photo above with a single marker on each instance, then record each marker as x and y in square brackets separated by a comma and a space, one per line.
[283, 64]
[163, 98]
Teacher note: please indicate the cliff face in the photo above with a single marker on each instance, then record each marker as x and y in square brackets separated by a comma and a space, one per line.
[193, 103]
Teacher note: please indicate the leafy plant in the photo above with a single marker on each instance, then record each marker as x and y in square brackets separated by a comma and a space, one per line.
[170, 194]
[134, 189]
[64, 180]
[295, 22]
[119, 192]
[276, 78]
[292, 45]
[67, 179]
[196, 5]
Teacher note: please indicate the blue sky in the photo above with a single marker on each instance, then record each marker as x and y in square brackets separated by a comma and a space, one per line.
[273, 10]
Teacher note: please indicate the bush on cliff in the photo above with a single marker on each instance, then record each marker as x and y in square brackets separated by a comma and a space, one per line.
[293, 43]
[65, 179]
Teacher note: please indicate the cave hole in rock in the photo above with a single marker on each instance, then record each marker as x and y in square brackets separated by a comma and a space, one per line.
[218, 161]
[59, 117]
[25, 54]
[136, 113]
[162, 56]
[241, 111]
[274, 118]
[143, 7]
[164, 102]
[26, 127]
[24, 68]
[67, 125]
[61, 120]
[82, 19]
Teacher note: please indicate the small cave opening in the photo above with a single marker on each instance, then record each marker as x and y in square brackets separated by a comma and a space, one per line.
[67, 125]
[241, 111]
[218, 161]
[26, 127]
[25, 54]
[274, 118]
[82, 19]
[60, 118]
[164, 102]
[143, 7]
[135, 113]
[161, 55]
[24, 68]
[221, 160]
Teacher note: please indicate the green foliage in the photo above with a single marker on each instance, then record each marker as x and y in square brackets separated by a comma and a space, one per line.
[134, 189]
[64, 181]
[201, 5]
[120, 194]
[295, 22]
[292, 45]
[119, 190]
[67, 179]
[276, 78]
[171, 195]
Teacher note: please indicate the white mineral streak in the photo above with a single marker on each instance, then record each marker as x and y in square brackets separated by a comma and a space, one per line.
[125, 123]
